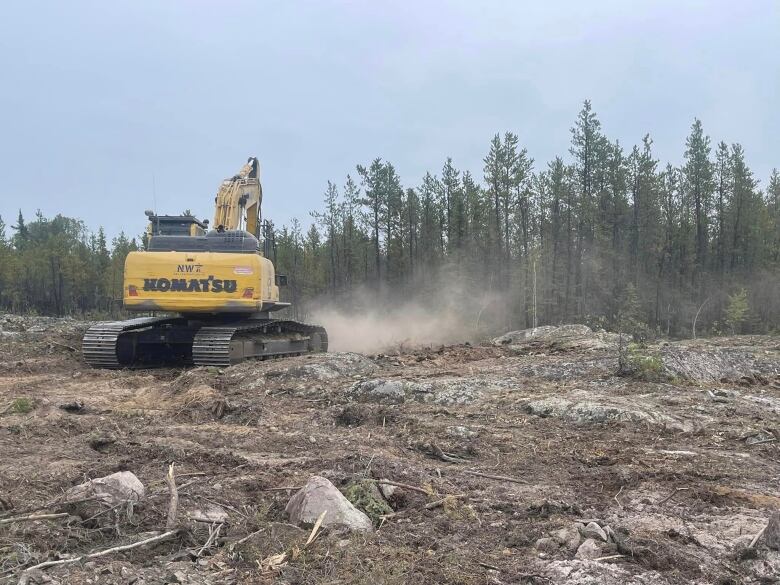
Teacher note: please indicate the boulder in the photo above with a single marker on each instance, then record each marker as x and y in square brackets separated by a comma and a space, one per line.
[588, 550]
[568, 537]
[110, 490]
[547, 545]
[320, 495]
[594, 531]
[772, 532]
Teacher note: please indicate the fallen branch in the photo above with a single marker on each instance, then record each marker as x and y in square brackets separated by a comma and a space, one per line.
[496, 477]
[33, 517]
[405, 486]
[246, 538]
[609, 558]
[674, 493]
[757, 536]
[66, 346]
[439, 503]
[445, 456]
[213, 534]
[761, 442]
[155, 539]
[488, 566]
[282, 489]
[616, 497]
[173, 505]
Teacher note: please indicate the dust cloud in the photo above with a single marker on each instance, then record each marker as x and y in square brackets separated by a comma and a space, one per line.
[373, 327]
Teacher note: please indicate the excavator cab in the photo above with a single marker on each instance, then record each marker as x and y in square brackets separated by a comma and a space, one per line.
[175, 225]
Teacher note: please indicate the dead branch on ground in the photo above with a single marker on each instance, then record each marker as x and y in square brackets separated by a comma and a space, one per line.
[496, 477]
[173, 505]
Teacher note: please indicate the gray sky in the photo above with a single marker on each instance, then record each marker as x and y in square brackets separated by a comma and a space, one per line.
[99, 97]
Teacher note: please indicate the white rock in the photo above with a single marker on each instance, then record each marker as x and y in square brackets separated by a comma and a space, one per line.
[387, 490]
[210, 513]
[111, 490]
[318, 496]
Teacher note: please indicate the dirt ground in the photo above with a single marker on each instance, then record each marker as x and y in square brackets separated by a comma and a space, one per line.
[680, 459]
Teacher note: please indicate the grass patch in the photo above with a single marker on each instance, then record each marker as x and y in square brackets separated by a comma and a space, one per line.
[645, 366]
[21, 405]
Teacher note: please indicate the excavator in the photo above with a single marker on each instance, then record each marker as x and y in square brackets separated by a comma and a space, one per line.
[211, 292]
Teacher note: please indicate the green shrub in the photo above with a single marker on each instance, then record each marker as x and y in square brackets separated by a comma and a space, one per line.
[365, 496]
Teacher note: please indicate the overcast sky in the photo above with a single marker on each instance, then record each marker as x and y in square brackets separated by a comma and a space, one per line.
[98, 98]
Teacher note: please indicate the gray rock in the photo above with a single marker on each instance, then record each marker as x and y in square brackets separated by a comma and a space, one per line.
[320, 495]
[446, 391]
[594, 531]
[588, 550]
[568, 537]
[380, 391]
[110, 490]
[443, 391]
[772, 532]
[461, 432]
[210, 513]
[546, 545]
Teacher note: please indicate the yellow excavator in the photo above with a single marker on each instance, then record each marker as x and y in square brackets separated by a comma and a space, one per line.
[215, 288]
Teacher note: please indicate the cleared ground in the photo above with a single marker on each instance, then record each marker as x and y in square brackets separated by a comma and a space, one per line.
[681, 459]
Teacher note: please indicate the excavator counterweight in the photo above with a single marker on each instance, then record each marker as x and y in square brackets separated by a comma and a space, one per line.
[215, 289]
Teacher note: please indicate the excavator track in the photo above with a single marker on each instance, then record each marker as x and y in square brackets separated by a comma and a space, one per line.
[100, 343]
[175, 341]
[226, 345]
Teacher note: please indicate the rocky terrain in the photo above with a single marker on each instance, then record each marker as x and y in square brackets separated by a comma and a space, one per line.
[525, 459]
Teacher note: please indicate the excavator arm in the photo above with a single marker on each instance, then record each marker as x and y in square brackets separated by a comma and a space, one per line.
[238, 201]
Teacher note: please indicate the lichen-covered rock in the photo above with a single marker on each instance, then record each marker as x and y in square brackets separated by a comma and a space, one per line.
[379, 391]
[327, 367]
[442, 391]
[709, 364]
[320, 495]
[560, 338]
[588, 411]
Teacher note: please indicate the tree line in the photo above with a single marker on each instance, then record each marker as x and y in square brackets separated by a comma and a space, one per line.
[57, 267]
[604, 235]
